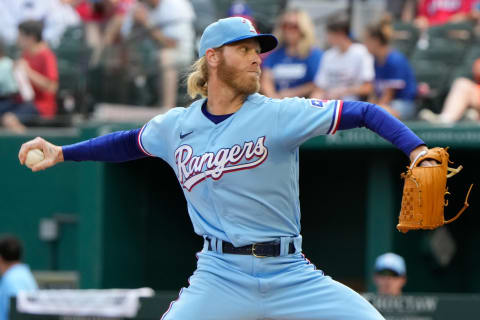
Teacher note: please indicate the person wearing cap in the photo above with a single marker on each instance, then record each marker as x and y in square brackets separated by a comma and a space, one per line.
[15, 276]
[235, 153]
[240, 8]
[390, 274]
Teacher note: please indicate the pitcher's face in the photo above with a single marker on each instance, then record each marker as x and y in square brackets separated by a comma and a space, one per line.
[239, 67]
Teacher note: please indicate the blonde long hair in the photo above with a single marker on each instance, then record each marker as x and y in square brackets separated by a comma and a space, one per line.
[197, 81]
[306, 27]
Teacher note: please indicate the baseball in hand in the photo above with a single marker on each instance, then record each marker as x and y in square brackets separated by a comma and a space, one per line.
[34, 156]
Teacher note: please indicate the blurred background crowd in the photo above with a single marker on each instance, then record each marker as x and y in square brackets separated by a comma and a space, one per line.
[71, 63]
[62, 60]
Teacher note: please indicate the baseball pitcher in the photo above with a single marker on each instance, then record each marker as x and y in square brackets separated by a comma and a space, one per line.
[236, 155]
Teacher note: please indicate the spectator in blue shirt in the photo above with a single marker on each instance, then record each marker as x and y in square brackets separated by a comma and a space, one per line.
[290, 70]
[395, 84]
[16, 276]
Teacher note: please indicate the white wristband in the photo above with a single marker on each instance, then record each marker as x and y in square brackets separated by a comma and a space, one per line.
[421, 154]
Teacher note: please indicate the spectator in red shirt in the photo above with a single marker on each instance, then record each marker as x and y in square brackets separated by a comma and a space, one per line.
[103, 20]
[438, 12]
[40, 65]
[100, 10]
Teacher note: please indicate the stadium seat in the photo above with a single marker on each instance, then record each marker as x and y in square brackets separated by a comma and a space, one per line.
[12, 51]
[442, 60]
[461, 32]
[72, 56]
[464, 68]
[441, 50]
[72, 85]
[436, 75]
[405, 37]
[264, 12]
[72, 46]
[447, 44]
[143, 72]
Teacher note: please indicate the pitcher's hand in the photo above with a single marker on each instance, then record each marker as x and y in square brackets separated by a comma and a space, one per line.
[53, 154]
[424, 163]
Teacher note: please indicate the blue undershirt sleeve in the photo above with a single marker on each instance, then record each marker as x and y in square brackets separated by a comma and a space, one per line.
[118, 146]
[362, 114]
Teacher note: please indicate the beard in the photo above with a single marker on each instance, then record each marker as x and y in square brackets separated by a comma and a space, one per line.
[242, 83]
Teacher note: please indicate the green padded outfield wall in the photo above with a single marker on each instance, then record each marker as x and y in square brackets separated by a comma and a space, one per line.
[25, 198]
[133, 230]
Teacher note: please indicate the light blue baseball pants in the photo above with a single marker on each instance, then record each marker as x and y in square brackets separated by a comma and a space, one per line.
[241, 287]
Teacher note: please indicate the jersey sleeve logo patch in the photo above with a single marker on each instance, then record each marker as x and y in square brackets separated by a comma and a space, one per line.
[194, 169]
[317, 103]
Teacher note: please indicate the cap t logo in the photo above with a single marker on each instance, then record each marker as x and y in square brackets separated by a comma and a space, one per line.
[252, 28]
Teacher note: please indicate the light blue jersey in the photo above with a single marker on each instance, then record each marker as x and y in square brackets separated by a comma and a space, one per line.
[240, 176]
[240, 179]
[17, 278]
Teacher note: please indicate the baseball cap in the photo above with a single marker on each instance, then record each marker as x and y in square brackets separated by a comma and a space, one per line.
[390, 262]
[229, 30]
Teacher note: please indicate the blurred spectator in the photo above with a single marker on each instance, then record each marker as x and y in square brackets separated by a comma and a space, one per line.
[8, 23]
[8, 85]
[40, 65]
[14, 109]
[438, 12]
[170, 24]
[402, 10]
[463, 94]
[290, 70]
[346, 70]
[59, 17]
[56, 15]
[240, 9]
[395, 84]
[206, 12]
[475, 14]
[103, 21]
[16, 276]
[390, 274]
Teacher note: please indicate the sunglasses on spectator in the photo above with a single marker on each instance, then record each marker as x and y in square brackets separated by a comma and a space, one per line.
[290, 26]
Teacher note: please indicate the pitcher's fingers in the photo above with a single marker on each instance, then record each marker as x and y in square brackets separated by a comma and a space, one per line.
[36, 143]
[428, 163]
[42, 165]
[27, 146]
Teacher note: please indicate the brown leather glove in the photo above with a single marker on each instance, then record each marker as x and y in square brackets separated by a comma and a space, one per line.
[423, 199]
